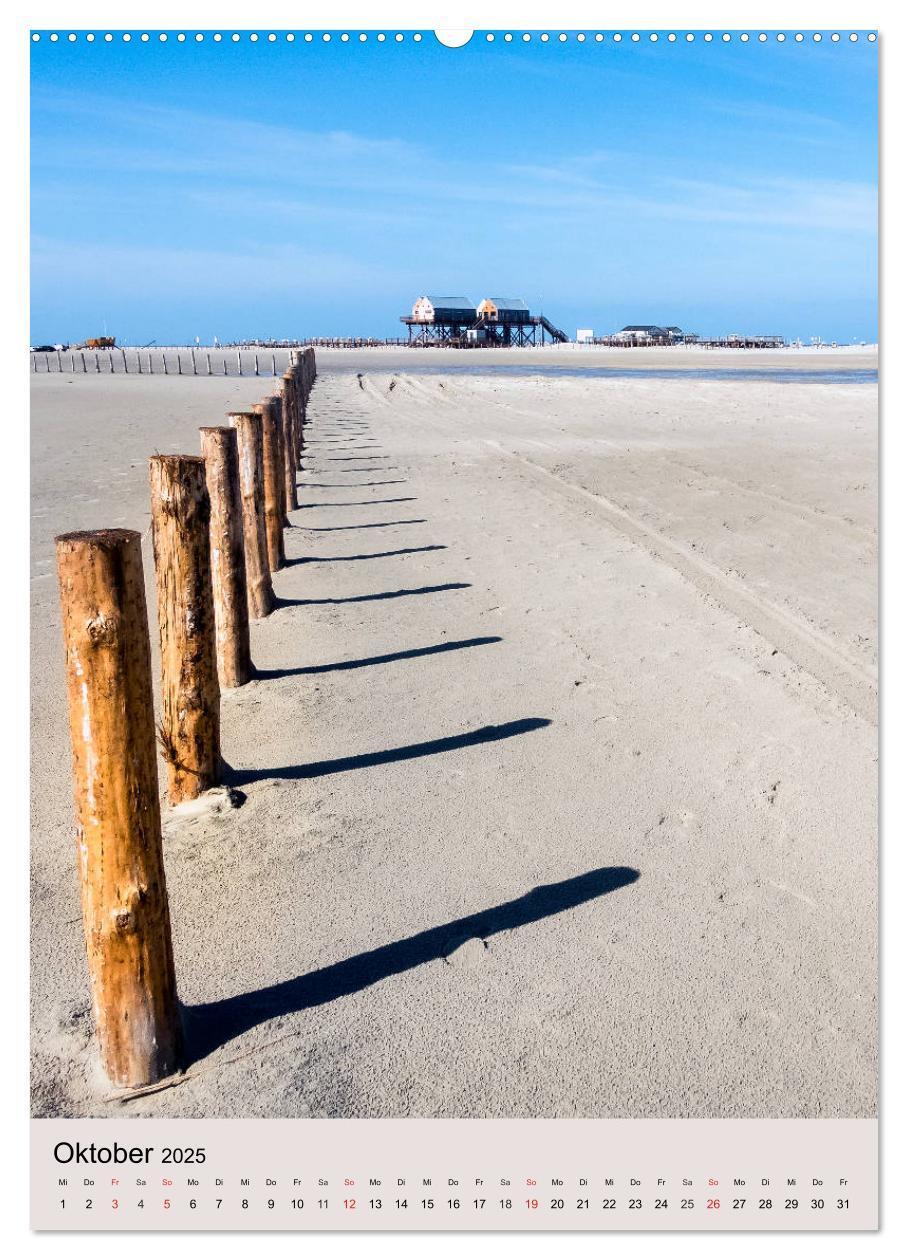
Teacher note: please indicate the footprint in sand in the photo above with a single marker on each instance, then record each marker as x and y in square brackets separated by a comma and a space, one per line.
[469, 955]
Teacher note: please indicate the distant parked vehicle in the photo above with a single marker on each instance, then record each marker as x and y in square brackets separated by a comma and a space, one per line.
[43, 349]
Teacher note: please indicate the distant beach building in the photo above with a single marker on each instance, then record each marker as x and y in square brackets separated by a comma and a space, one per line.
[444, 310]
[503, 310]
[650, 334]
[456, 321]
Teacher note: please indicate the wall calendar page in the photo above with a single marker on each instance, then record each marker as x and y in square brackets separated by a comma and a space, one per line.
[454, 624]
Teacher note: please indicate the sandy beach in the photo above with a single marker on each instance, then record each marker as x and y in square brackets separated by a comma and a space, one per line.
[560, 767]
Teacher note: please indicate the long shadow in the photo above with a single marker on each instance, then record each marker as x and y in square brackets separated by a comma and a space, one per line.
[346, 459]
[348, 485]
[213, 1024]
[324, 472]
[387, 659]
[407, 498]
[333, 529]
[368, 555]
[367, 599]
[386, 756]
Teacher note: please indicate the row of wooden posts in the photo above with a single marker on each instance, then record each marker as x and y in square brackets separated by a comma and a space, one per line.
[217, 527]
[117, 361]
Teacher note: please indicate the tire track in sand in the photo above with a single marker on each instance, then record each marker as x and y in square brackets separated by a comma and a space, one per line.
[810, 649]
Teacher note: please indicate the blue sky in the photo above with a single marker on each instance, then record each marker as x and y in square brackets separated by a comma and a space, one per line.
[290, 189]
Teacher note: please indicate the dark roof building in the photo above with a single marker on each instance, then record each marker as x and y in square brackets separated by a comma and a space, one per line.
[443, 310]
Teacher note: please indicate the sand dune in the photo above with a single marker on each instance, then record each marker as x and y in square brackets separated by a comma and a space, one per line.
[560, 770]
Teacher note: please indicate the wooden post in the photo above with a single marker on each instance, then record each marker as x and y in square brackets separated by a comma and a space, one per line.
[208, 360]
[273, 366]
[97, 362]
[272, 461]
[228, 556]
[59, 362]
[259, 591]
[190, 697]
[290, 460]
[292, 393]
[290, 406]
[118, 818]
[82, 353]
[164, 357]
[256, 363]
[125, 364]
[139, 361]
[110, 361]
[277, 408]
[239, 363]
[195, 370]
[179, 364]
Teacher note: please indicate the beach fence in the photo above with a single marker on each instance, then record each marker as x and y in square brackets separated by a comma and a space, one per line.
[165, 361]
[217, 530]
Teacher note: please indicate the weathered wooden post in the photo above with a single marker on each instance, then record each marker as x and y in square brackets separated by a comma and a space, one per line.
[118, 819]
[259, 590]
[220, 451]
[277, 408]
[139, 361]
[125, 364]
[288, 425]
[195, 371]
[208, 360]
[110, 361]
[290, 405]
[59, 362]
[190, 697]
[179, 364]
[272, 460]
[82, 353]
[72, 364]
[273, 366]
[299, 410]
[256, 358]
[239, 363]
[97, 363]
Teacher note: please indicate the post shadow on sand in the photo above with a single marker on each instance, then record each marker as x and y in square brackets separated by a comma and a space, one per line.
[213, 1024]
[348, 485]
[407, 498]
[386, 659]
[333, 529]
[367, 599]
[368, 555]
[386, 756]
[370, 468]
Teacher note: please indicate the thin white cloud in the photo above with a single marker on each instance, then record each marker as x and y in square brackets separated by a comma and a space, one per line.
[247, 167]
